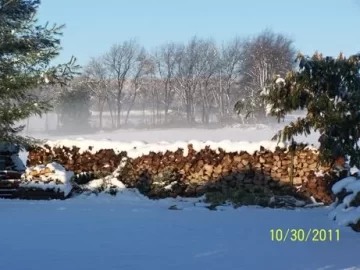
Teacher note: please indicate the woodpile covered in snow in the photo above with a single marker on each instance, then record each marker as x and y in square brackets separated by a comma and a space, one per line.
[45, 182]
[196, 169]
[172, 173]
[11, 168]
[102, 162]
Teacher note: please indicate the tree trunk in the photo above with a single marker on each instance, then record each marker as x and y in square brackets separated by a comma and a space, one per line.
[203, 113]
[111, 113]
[143, 112]
[166, 112]
[166, 102]
[130, 107]
[188, 106]
[118, 114]
[118, 109]
[158, 113]
[100, 119]
[153, 111]
[101, 110]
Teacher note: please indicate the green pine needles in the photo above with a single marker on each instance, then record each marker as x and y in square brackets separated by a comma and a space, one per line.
[329, 89]
[26, 50]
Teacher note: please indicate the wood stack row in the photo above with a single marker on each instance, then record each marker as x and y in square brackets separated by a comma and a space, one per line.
[41, 174]
[9, 188]
[10, 174]
[160, 175]
[102, 163]
[208, 165]
[319, 187]
[26, 193]
[43, 182]
[173, 174]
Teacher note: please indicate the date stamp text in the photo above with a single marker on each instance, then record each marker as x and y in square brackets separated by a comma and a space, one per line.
[305, 235]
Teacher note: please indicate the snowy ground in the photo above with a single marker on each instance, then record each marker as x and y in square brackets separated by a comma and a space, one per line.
[128, 232]
[132, 232]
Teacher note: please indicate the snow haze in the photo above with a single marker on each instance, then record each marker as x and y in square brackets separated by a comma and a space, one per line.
[129, 231]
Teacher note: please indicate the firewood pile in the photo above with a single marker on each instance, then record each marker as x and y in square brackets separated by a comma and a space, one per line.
[102, 163]
[171, 174]
[50, 181]
[319, 186]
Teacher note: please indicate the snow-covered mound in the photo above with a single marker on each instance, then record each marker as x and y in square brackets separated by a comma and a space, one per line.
[346, 208]
[135, 149]
[51, 176]
[108, 184]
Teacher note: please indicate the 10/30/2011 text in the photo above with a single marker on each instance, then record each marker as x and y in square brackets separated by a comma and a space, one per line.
[301, 235]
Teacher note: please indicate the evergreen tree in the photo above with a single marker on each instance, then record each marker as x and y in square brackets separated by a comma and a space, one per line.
[329, 89]
[26, 50]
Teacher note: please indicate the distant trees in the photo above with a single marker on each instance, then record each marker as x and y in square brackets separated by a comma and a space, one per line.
[120, 61]
[96, 77]
[142, 67]
[266, 55]
[165, 59]
[194, 82]
[231, 70]
[196, 61]
[199, 79]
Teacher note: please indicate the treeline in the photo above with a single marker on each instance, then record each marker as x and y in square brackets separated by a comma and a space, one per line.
[196, 82]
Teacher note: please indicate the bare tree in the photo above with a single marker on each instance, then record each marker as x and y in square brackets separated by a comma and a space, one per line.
[165, 58]
[142, 67]
[120, 59]
[232, 61]
[96, 77]
[191, 80]
[191, 63]
[155, 98]
[266, 55]
[211, 62]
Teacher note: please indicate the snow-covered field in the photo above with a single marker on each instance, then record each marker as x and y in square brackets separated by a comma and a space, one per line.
[131, 232]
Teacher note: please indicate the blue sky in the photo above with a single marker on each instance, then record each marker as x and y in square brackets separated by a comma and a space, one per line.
[329, 26]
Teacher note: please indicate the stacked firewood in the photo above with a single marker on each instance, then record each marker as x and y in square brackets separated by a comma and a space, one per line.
[160, 175]
[41, 174]
[102, 163]
[45, 182]
[173, 174]
[319, 186]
